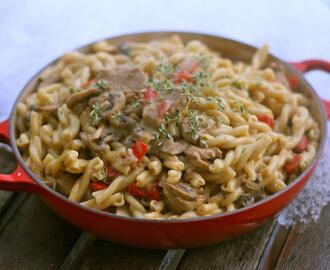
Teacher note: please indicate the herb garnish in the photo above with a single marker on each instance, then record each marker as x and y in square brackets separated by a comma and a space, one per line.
[194, 123]
[203, 61]
[163, 134]
[239, 107]
[166, 69]
[220, 104]
[101, 84]
[95, 114]
[166, 85]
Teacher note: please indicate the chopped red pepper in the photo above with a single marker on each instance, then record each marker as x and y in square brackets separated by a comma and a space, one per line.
[183, 75]
[154, 193]
[301, 146]
[149, 95]
[95, 186]
[136, 191]
[266, 119]
[163, 107]
[88, 83]
[111, 172]
[292, 165]
[140, 149]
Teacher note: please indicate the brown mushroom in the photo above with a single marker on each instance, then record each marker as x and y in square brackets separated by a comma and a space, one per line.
[182, 197]
[199, 157]
[81, 96]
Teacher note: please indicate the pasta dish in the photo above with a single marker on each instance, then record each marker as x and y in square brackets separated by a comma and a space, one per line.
[165, 129]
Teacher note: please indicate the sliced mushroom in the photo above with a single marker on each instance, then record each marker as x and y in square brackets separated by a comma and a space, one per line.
[64, 183]
[117, 103]
[123, 78]
[81, 96]
[174, 147]
[123, 122]
[182, 197]
[199, 157]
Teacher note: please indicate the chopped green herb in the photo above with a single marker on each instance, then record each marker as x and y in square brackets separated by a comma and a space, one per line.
[123, 48]
[96, 114]
[163, 134]
[194, 123]
[101, 84]
[165, 85]
[203, 61]
[220, 104]
[137, 104]
[166, 69]
[201, 79]
[239, 107]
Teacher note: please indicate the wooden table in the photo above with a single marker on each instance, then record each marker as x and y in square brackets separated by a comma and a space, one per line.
[33, 237]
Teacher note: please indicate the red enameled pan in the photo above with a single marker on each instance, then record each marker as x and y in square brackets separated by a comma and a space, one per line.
[172, 233]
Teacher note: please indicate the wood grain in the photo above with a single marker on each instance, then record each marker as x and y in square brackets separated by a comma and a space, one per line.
[107, 255]
[308, 248]
[241, 253]
[35, 238]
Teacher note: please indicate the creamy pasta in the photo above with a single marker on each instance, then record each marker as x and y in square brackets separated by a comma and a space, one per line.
[165, 129]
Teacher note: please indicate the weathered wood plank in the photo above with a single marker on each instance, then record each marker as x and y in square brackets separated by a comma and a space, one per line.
[7, 165]
[78, 252]
[36, 238]
[308, 248]
[106, 255]
[172, 259]
[241, 253]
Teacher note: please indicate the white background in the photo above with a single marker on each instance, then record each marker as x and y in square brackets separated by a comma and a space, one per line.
[33, 32]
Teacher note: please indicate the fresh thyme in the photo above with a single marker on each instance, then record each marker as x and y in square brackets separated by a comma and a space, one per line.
[239, 107]
[101, 84]
[203, 61]
[220, 104]
[201, 79]
[166, 69]
[96, 114]
[194, 123]
[163, 134]
[165, 86]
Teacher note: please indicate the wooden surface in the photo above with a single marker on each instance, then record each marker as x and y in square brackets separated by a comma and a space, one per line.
[33, 237]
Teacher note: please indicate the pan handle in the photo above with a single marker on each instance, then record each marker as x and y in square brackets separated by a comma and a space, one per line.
[315, 64]
[18, 180]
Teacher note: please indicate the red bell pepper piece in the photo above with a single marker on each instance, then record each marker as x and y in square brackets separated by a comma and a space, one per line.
[301, 146]
[140, 149]
[111, 172]
[267, 120]
[88, 83]
[293, 82]
[292, 165]
[95, 186]
[154, 193]
[136, 191]
[183, 75]
[149, 95]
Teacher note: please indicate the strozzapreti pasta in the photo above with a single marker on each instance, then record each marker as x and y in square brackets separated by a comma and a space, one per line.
[165, 129]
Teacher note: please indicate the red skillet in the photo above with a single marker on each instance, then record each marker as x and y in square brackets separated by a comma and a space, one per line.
[174, 233]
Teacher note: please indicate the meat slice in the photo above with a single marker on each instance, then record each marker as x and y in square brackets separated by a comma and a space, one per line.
[182, 197]
[199, 157]
[150, 116]
[123, 78]
[174, 147]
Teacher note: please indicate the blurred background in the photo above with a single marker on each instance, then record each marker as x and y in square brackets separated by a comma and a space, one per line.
[34, 32]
